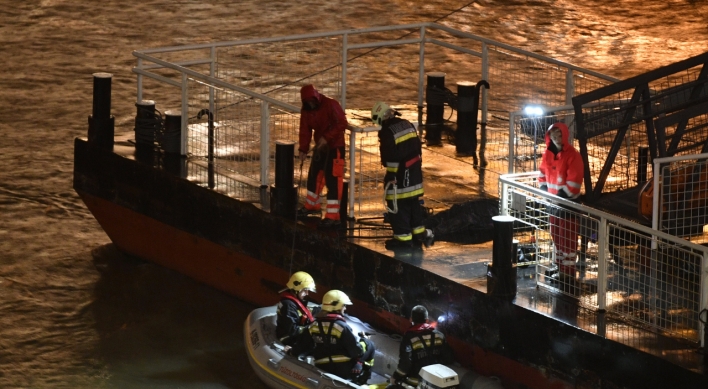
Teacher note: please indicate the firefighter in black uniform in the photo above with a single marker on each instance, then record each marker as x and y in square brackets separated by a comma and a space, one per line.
[400, 149]
[422, 345]
[335, 348]
[293, 314]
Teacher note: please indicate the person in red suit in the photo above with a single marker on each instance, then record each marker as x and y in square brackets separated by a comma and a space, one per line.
[562, 171]
[324, 118]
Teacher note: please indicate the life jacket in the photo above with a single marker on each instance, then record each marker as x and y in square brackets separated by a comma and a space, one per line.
[327, 334]
[305, 314]
[425, 343]
[426, 349]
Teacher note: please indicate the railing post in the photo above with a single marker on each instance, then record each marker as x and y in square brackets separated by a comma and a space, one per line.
[212, 73]
[485, 76]
[343, 98]
[140, 80]
[569, 87]
[185, 117]
[504, 196]
[655, 201]
[653, 274]
[704, 301]
[485, 99]
[602, 249]
[512, 141]
[421, 74]
[265, 142]
[569, 93]
[352, 171]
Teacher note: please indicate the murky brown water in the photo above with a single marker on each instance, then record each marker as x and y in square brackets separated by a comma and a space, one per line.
[74, 313]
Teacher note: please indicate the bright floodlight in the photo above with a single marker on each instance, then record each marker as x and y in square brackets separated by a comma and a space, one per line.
[533, 110]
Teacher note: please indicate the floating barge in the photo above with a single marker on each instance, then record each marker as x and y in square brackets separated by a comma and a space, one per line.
[192, 190]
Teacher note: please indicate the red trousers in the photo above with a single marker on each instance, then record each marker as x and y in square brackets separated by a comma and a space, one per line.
[564, 231]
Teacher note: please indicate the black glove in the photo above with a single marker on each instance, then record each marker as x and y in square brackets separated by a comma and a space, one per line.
[356, 369]
[390, 176]
[544, 187]
[561, 193]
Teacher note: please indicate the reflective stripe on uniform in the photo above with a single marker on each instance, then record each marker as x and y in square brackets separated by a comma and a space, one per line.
[417, 342]
[404, 135]
[333, 206]
[312, 200]
[336, 329]
[334, 358]
[402, 193]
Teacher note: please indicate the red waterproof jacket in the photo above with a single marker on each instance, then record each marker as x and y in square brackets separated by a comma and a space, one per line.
[328, 121]
[561, 171]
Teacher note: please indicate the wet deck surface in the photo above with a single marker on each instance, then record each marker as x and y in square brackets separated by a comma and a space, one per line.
[467, 263]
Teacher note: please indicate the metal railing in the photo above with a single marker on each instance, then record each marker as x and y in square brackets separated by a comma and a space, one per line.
[631, 270]
[680, 206]
[252, 89]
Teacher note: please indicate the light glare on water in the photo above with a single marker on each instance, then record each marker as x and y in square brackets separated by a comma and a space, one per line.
[74, 313]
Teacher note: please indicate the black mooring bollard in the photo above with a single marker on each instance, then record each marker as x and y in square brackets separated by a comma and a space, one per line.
[101, 123]
[284, 164]
[435, 100]
[283, 195]
[145, 134]
[171, 141]
[145, 131]
[501, 274]
[171, 144]
[466, 134]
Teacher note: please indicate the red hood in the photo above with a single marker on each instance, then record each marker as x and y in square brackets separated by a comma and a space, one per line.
[308, 92]
[565, 133]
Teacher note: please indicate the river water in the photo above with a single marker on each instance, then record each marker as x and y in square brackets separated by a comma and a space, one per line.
[76, 313]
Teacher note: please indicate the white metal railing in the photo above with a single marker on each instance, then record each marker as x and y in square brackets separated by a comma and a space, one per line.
[264, 71]
[680, 194]
[630, 269]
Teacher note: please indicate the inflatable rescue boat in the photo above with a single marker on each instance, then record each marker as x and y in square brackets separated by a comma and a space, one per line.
[281, 371]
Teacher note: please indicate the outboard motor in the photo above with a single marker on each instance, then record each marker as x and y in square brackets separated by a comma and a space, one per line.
[438, 377]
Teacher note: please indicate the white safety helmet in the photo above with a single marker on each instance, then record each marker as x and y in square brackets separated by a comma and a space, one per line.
[380, 112]
[335, 300]
[300, 281]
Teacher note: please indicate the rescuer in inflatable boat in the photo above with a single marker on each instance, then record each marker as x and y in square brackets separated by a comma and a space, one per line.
[400, 149]
[422, 345]
[335, 348]
[562, 173]
[326, 118]
[293, 314]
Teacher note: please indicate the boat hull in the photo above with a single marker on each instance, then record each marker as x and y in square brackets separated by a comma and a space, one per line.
[247, 252]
